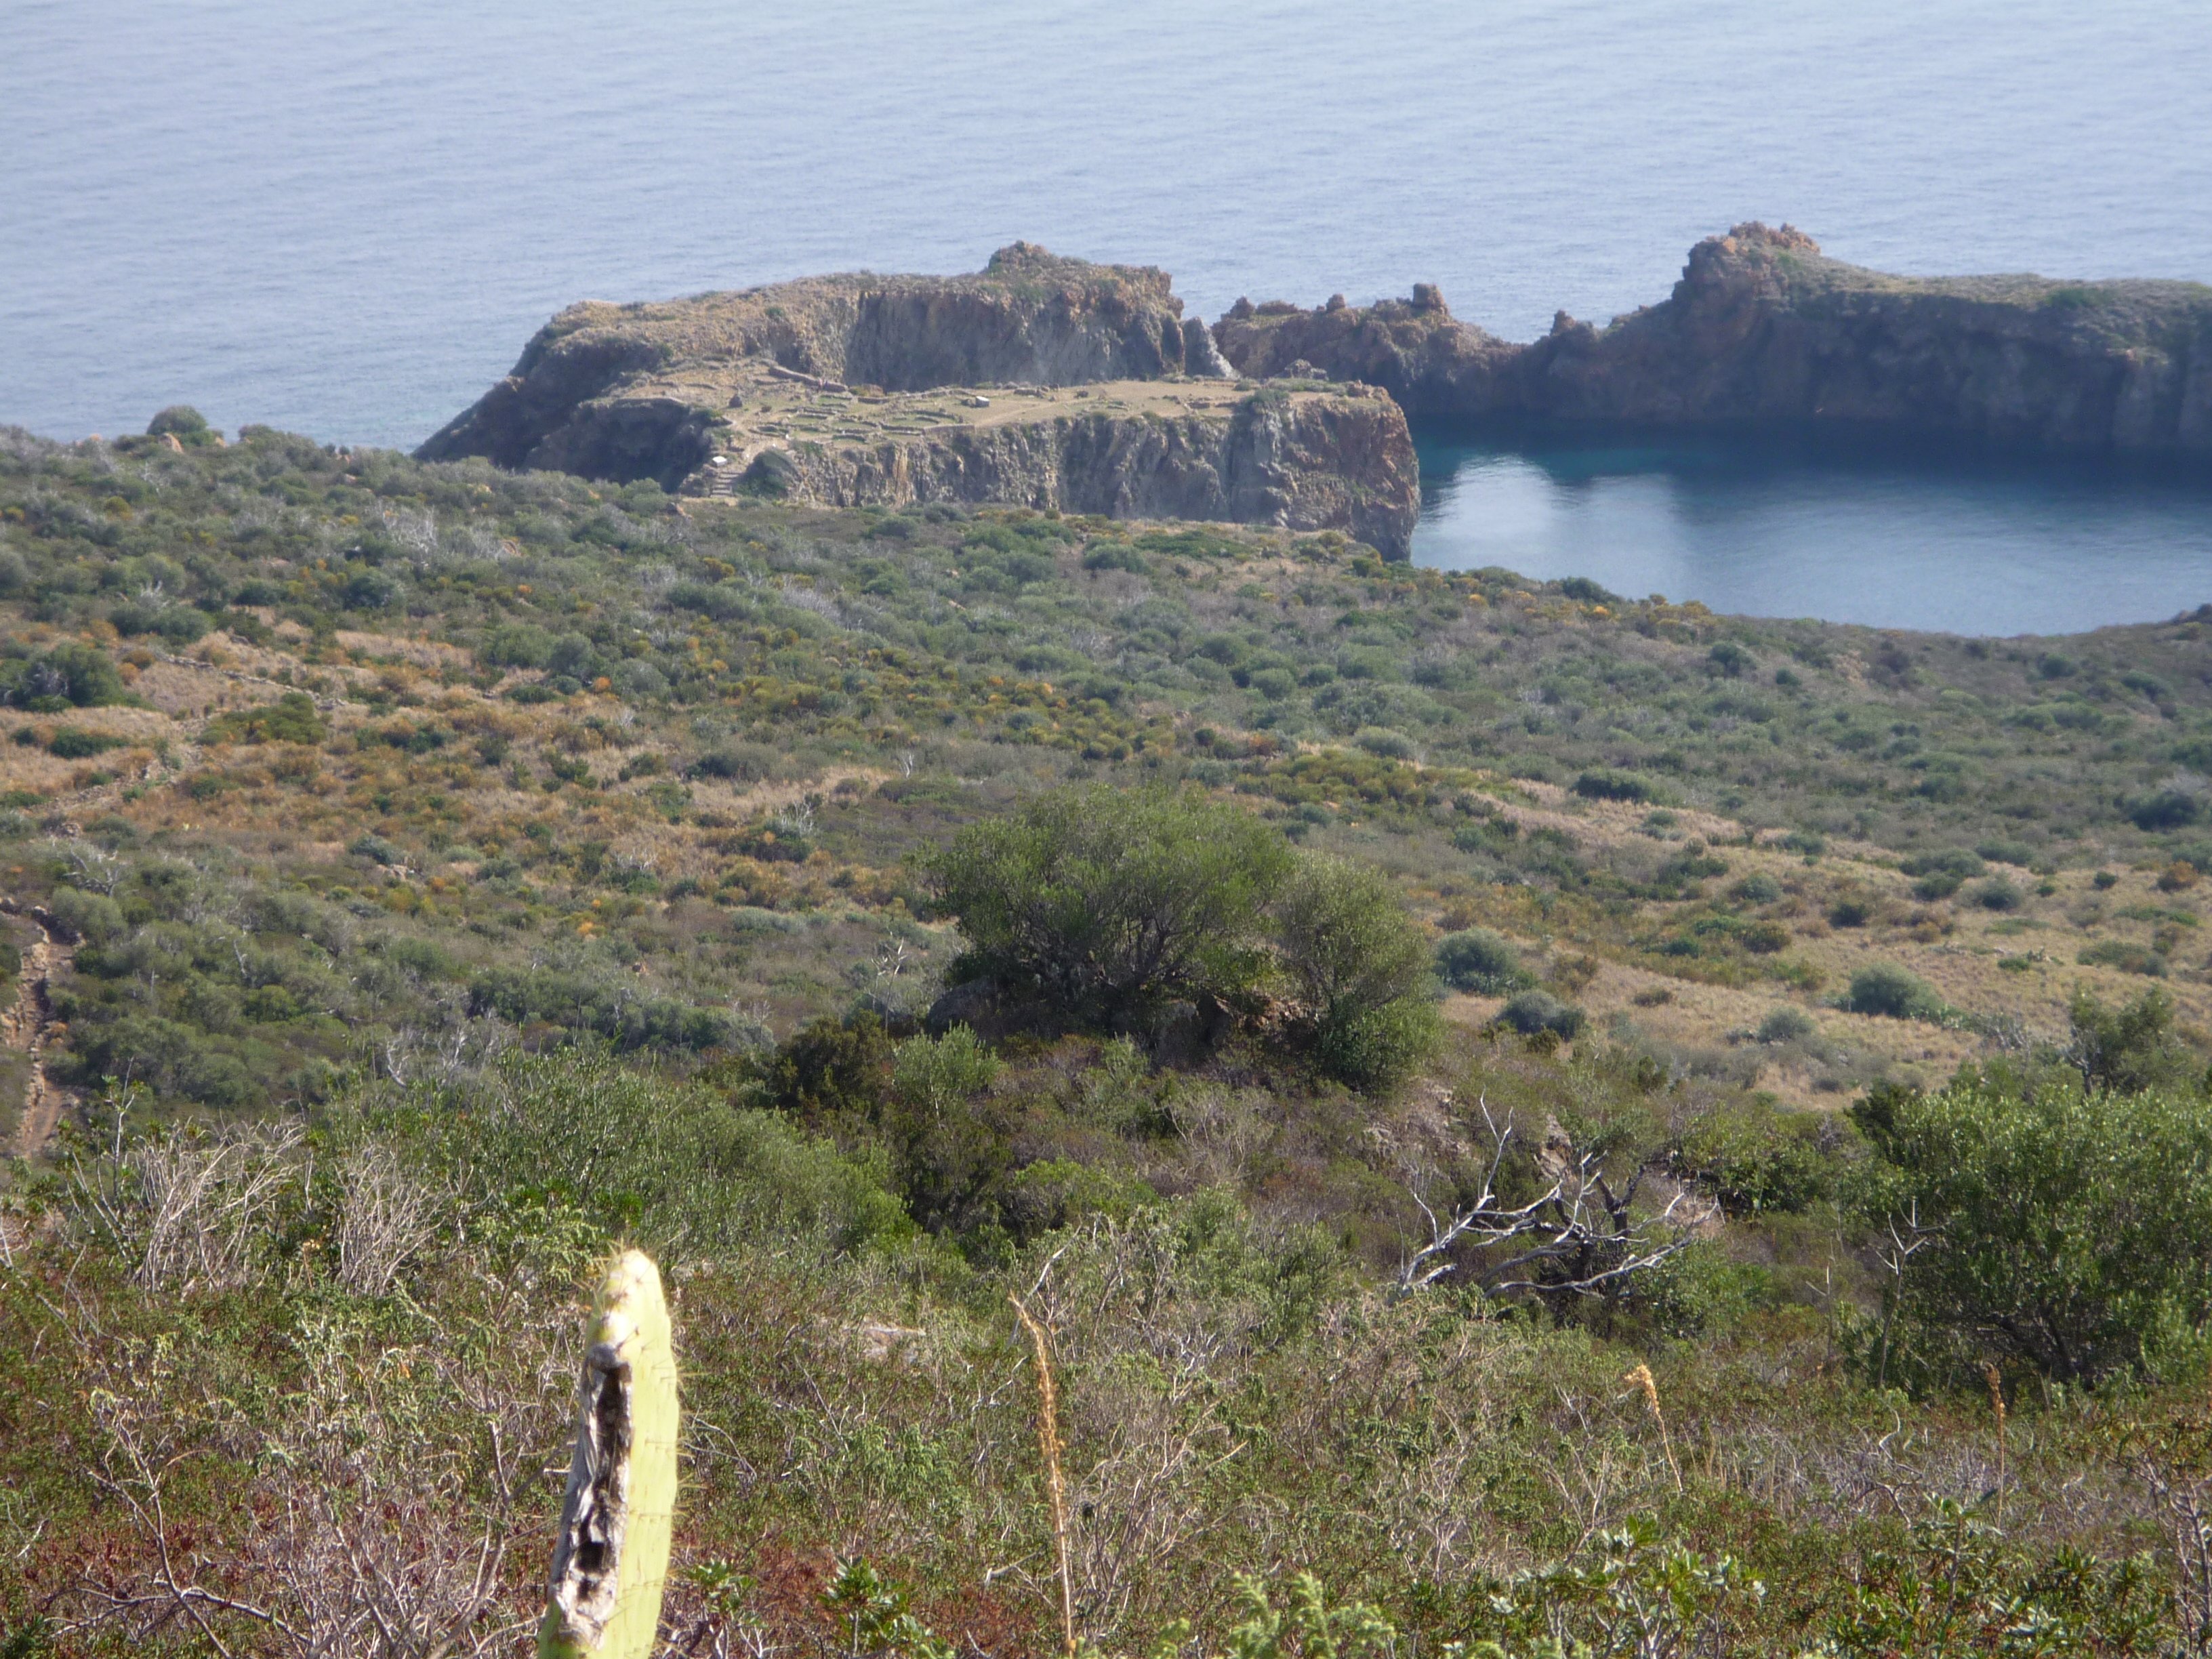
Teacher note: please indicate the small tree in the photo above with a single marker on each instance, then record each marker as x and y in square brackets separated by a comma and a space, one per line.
[1102, 901]
[1361, 966]
[2072, 1230]
[2130, 1048]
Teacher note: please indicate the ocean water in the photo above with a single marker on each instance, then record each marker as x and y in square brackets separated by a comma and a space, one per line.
[1958, 544]
[345, 220]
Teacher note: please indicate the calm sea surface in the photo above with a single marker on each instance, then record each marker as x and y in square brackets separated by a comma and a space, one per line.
[346, 220]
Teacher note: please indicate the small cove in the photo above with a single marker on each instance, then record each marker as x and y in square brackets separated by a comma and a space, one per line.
[1954, 542]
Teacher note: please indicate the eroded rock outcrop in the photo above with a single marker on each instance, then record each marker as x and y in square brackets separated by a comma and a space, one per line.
[1339, 459]
[1027, 317]
[1038, 381]
[1763, 328]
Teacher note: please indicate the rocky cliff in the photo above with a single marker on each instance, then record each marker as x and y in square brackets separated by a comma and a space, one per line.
[1027, 317]
[1039, 381]
[1765, 330]
[1300, 459]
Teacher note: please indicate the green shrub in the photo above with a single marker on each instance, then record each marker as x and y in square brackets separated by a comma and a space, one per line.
[1759, 888]
[1730, 659]
[73, 743]
[1480, 961]
[2131, 1049]
[71, 676]
[2070, 1229]
[1379, 1047]
[1360, 965]
[2165, 808]
[516, 645]
[1997, 893]
[1614, 785]
[1941, 874]
[2128, 958]
[674, 1166]
[1533, 1012]
[1115, 556]
[1755, 1156]
[185, 424]
[1102, 900]
[950, 1153]
[94, 917]
[1787, 1025]
[1382, 740]
[291, 719]
[375, 847]
[832, 1071]
[1893, 993]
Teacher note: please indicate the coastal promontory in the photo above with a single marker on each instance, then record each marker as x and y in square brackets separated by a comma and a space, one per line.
[1039, 381]
[1765, 330]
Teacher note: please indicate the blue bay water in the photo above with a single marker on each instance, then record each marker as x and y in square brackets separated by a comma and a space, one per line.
[1957, 543]
[345, 220]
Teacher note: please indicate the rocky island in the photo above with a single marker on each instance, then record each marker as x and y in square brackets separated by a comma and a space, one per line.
[1039, 381]
[1765, 330]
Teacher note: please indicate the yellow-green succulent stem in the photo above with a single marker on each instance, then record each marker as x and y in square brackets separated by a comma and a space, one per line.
[611, 1558]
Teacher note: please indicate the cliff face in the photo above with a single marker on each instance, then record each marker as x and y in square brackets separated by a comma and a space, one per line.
[1763, 328]
[1027, 317]
[1415, 349]
[1300, 460]
[1039, 381]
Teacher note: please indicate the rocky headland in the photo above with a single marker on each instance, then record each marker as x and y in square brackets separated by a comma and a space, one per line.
[1038, 381]
[1764, 330]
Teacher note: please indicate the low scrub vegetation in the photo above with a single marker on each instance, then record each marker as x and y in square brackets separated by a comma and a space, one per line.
[1568, 1120]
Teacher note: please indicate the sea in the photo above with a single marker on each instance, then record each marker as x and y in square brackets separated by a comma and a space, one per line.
[346, 220]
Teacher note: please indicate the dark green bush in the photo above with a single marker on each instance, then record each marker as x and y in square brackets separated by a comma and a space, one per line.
[1941, 874]
[2070, 1229]
[1997, 893]
[832, 1072]
[1893, 993]
[1480, 961]
[1787, 1025]
[71, 675]
[1614, 784]
[1533, 1012]
[2166, 809]
[1755, 1156]
[185, 424]
[73, 743]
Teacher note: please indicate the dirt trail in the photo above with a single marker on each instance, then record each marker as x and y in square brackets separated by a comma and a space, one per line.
[26, 1027]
